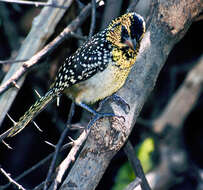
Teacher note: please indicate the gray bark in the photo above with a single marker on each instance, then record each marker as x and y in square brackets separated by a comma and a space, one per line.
[169, 23]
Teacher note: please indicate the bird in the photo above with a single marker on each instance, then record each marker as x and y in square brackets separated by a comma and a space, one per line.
[97, 70]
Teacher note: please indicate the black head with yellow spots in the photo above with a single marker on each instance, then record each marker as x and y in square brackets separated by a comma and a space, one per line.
[126, 31]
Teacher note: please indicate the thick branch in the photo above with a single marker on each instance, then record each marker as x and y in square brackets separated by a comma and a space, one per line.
[178, 108]
[42, 28]
[36, 3]
[182, 101]
[106, 138]
[21, 68]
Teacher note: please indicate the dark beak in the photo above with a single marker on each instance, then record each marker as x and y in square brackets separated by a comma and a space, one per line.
[131, 43]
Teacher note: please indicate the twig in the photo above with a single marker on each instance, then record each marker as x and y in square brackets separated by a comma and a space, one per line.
[35, 166]
[7, 145]
[155, 48]
[5, 134]
[136, 165]
[93, 18]
[50, 144]
[111, 11]
[71, 157]
[11, 180]
[58, 146]
[134, 184]
[13, 61]
[80, 4]
[41, 30]
[79, 37]
[40, 186]
[35, 3]
[37, 126]
[49, 47]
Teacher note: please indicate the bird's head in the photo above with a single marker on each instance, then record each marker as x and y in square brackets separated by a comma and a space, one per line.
[126, 31]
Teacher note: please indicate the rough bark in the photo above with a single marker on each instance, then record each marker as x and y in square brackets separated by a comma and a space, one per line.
[169, 23]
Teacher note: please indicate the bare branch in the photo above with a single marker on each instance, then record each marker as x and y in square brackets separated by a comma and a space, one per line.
[134, 184]
[112, 10]
[79, 37]
[93, 18]
[174, 115]
[48, 48]
[58, 146]
[42, 28]
[70, 158]
[22, 68]
[106, 137]
[12, 61]
[11, 180]
[182, 101]
[40, 163]
[136, 165]
[36, 3]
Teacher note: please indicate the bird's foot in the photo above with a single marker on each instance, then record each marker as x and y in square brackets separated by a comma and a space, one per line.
[97, 115]
[118, 99]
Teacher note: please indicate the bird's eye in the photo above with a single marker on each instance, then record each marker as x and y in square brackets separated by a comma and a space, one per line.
[124, 34]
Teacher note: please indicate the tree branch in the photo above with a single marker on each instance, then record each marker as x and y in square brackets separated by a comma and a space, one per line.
[11, 180]
[42, 28]
[21, 68]
[136, 165]
[168, 25]
[182, 101]
[36, 3]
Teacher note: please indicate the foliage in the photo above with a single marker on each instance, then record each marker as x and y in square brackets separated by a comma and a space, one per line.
[126, 174]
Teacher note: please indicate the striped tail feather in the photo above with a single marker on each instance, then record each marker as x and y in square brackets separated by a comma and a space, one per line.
[29, 115]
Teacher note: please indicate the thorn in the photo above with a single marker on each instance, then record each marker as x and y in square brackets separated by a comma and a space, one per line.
[14, 123]
[101, 3]
[15, 85]
[57, 101]
[68, 145]
[50, 144]
[37, 93]
[73, 141]
[7, 145]
[78, 36]
[35, 124]
[76, 127]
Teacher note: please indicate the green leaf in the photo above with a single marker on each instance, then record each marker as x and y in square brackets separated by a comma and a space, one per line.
[126, 174]
[144, 154]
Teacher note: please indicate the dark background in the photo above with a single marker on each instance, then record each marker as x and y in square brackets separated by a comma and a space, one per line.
[29, 146]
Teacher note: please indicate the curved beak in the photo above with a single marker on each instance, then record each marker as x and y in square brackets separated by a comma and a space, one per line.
[131, 43]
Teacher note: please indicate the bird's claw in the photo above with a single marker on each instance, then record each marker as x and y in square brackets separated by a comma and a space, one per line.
[98, 116]
[124, 105]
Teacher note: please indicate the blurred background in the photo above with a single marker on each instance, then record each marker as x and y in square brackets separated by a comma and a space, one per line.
[168, 135]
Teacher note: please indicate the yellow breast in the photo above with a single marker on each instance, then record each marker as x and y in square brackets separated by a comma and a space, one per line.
[100, 86]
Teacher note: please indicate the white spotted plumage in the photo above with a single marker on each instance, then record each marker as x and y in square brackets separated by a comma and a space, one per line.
[97, 69]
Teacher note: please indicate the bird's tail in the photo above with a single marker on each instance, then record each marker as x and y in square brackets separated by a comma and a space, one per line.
[29, 115]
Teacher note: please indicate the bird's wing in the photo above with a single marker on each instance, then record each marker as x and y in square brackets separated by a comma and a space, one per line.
[91, 58]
